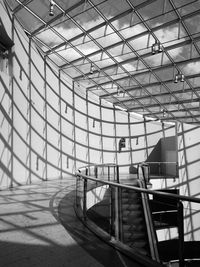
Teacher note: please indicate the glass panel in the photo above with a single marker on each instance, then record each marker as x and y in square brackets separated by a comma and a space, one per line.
[28, 20]
[50, 38]
[67, 29]
[110, 9]
[42, 10]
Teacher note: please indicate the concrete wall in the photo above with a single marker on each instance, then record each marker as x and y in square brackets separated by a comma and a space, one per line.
[189, 172]
[42, 139]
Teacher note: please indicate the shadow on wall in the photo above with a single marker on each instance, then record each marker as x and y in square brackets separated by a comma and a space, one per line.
[5, 41]
[164, 151]
[189, 169]
[132, 169]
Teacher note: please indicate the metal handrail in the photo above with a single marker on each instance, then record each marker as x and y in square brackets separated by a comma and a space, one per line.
[108, 165]
[152, 192]
[115, 233]
[145, 192]
[180, 218]
[163, 162]
[99, 165]
[149, 223]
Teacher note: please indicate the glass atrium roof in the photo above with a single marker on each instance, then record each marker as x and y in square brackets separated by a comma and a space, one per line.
[141, 56]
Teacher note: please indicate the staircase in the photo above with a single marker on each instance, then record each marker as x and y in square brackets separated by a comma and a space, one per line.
[133, 226]
[164, 210]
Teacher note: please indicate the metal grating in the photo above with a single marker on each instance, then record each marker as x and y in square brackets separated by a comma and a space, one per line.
[127, 52]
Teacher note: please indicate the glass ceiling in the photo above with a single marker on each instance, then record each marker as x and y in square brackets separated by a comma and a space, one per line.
[141, 56]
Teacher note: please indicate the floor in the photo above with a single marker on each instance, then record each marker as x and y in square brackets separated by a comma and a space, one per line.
[30, 232]
[38, 227]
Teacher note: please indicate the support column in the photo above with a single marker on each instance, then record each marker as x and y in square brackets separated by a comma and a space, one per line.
[115, 138]
[88, 128]
[60, 127]
[11, 110]
[101, 130]
[145, 140]
[44, 151]
[184, 180]
[130, 144]
[29, 112]
[28, 138]
[74, 128]
[164, 183]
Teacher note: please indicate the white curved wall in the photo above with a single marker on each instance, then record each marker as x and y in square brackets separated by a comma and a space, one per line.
[41, 140]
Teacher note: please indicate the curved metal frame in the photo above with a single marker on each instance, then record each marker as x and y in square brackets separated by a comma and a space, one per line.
[82, 173]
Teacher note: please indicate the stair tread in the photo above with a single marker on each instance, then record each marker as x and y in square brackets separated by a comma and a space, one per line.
[133, 194]
[132, 215]
[131, 206]
[133, 227]
[134, 236]
[138, 243]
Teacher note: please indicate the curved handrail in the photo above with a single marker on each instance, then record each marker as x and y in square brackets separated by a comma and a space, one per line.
[111, 235]
[149, 221]
[97, 165]
[143, 190]
[163, 162]
[160, 196]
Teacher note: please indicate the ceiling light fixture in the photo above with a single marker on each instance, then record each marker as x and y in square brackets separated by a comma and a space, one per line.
[156, 48]
[66, 108]
[92, 69]
[37, 163]
[20, 74]
[67, 162]
[120, 92]
[164, 112]
[51, 8]
[137, 140]
[93, 125]
[179, 77]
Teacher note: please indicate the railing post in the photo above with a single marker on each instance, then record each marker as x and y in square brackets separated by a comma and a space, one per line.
[84, 199]
[117, 208]
[96, 171]
[159, 168]
[108, 173]
[176, 169]
[112, 211]
[181, 233]
[77, 186]
[117, 173]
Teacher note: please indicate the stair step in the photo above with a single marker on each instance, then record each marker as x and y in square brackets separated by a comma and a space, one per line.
[131, 201]
[133, 227]
[143, 251]
[132, 219]
[137, 244]
[132, 213]
[132, 206]
[134, 236]
[127, 192]
[133, 182]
